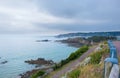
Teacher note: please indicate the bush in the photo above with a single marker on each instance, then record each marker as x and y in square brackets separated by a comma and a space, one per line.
[39, 73]
[63, 62]
[56, 66]
[72, 56]
[74, 74]
[78, 53]
[95, 58]
[105, 42]
[101, 46]
[100, 38]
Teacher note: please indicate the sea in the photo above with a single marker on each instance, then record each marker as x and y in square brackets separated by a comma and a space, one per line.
[18, 48]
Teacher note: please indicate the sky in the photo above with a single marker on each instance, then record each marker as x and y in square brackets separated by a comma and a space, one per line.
[58, 16]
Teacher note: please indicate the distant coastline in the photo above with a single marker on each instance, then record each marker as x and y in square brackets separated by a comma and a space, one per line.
[80, 41]
[111, 33]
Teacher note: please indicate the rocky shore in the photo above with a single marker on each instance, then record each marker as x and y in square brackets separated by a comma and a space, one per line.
[28, 74]
[40, 61]
[75, 42]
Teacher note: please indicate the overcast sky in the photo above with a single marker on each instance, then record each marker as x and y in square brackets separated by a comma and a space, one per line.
[58, 16]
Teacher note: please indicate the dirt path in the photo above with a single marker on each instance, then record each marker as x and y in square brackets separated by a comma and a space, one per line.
[73, 64]
[117, 45]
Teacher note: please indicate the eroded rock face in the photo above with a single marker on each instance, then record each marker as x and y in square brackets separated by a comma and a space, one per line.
[40, 61]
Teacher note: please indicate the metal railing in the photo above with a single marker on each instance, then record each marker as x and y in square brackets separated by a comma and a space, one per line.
[111, 67]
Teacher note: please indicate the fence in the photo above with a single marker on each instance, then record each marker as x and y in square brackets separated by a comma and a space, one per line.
[111, 67]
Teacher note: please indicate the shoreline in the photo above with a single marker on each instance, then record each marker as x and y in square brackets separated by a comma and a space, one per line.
[56, 66]
[72, 42]
[47, 67]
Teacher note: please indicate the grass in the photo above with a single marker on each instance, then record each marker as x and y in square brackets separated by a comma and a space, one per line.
[94, 69]
[96, 57]
[88, 71]
[74, 73]
[39, 73]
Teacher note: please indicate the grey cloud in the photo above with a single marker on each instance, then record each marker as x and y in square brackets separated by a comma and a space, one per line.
[84, 9]
[105, 10]
[79, 28]
[59, 15]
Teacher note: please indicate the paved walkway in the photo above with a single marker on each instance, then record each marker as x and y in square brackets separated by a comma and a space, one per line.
[117, 45]
[73, 64]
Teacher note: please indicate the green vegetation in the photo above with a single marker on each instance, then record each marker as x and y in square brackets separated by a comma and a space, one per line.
[88, 71]
[74, 74]
[96, 57]
[105, 42]
[39, 73]
[94, 69]
[101, 46]
[78, 53]
[100, 38]
[72, 56]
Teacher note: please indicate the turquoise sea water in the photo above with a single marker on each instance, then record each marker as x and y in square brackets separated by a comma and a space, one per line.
[17, 49]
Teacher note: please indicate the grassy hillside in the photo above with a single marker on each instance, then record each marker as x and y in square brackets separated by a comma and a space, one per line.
[94, 68]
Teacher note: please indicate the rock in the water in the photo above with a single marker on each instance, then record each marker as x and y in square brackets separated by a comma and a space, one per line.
[46, 40]
[40, 61]
[4, 62]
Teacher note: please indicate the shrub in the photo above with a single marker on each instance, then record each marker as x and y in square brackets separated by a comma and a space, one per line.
[105, 42]
[74, 74]
[56, 66]
[39, 73]
[101, 46]
[100, 38]
[96, 57]
[78, 53]
[72, 56]
[63, 62]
